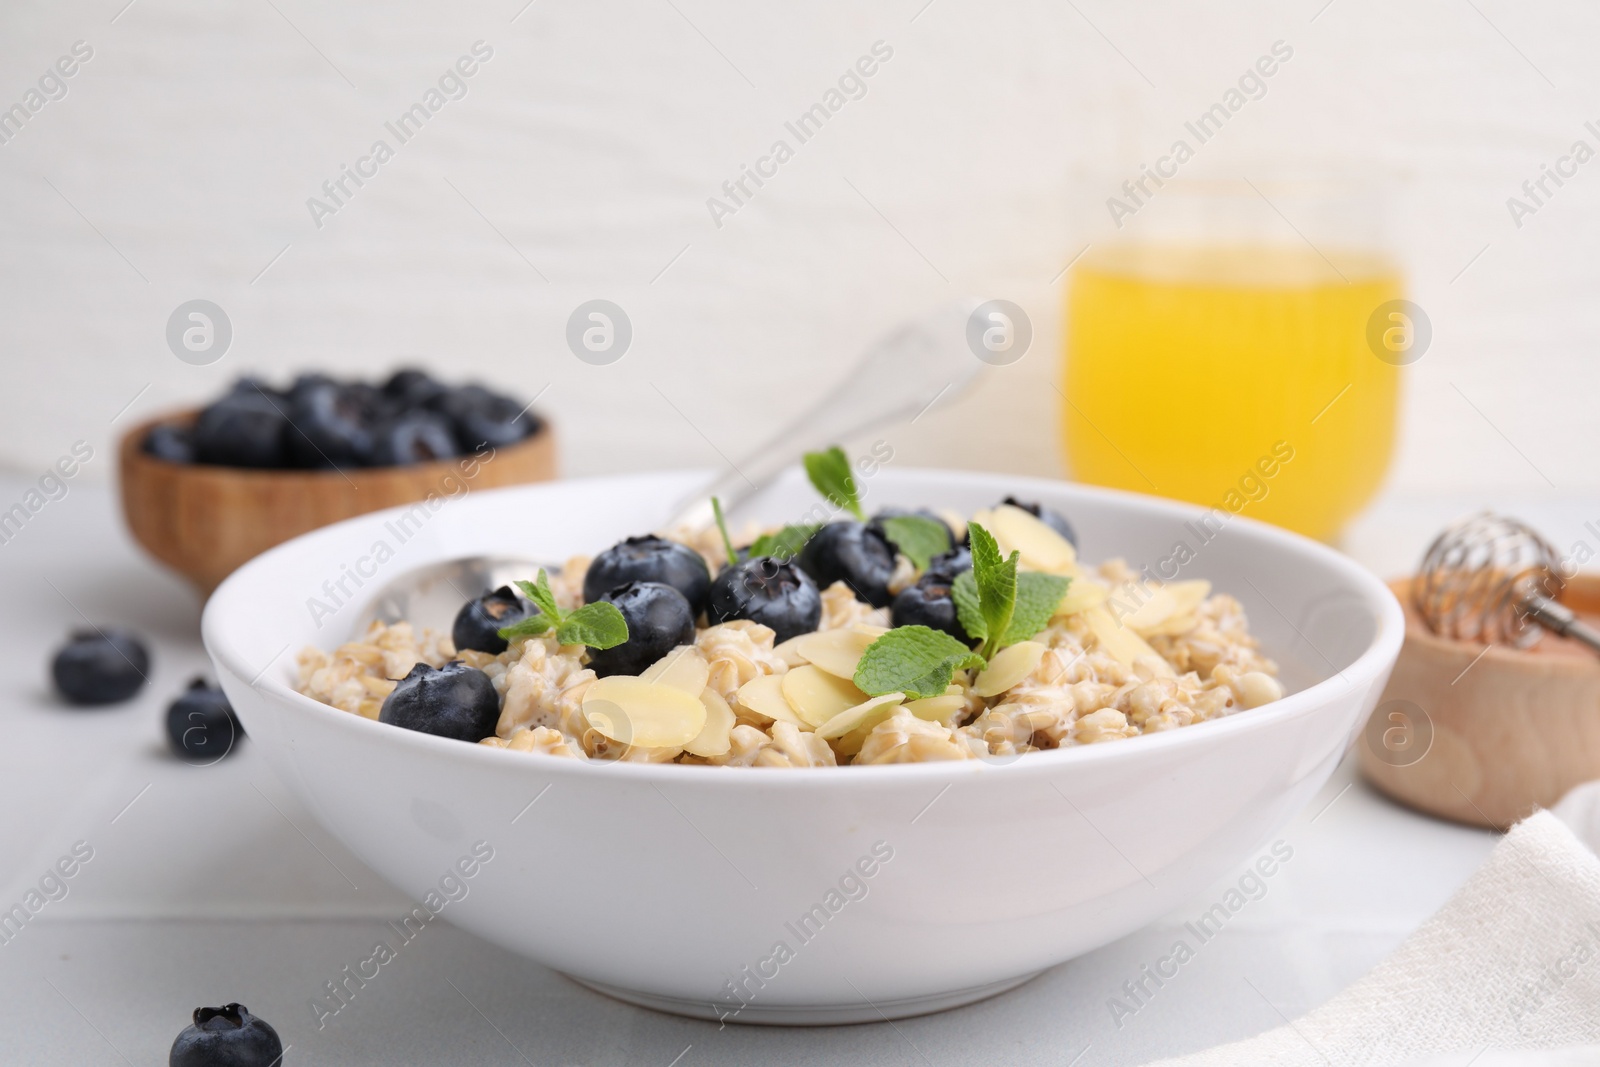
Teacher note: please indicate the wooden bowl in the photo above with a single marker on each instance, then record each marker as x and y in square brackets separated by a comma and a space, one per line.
[1487, 737]
[204, 521]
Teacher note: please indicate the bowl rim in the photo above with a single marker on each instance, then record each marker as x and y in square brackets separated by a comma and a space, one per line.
[1370, 666]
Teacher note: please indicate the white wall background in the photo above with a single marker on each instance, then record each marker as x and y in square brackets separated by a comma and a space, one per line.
[179, 164]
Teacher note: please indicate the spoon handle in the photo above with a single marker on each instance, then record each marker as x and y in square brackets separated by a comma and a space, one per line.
[924, 361]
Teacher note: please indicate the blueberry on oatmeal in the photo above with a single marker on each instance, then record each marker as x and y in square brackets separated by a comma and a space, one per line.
[944, 569]
[772, 592]
[455, 701]
[104, 666]
[659, 619]
[479, 622]
[1049, 516]
[852, 553]
[228, 1036]
[650, 559]
[928, 603]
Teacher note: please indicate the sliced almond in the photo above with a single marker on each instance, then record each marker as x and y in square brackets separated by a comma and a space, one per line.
[954, 520]
[682, 668]
[1009, 666]
[1041, 547]
[863, 716]
[715, 738]
[817, 696]
[789, 652]
[837, 651]
[764, 696]
[1151, 607]
[1081, 595]
[643, 714]
[1121, 643]
[1178, 624]
[937, 709]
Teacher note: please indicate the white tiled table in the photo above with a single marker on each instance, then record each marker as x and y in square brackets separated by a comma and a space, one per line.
[212, 884]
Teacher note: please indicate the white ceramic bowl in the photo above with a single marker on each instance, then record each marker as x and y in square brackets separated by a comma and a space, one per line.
[674, 886]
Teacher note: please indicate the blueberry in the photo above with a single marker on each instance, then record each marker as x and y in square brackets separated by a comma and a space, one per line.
[304, 384]
[246, 428]
[170, 443]
[228, 1036]
[411, 388]
[773, 592]
[659, 620]
[455, 701]
[478, 622]
[876, 524]
[481, 417]
[928, 604]
[1049, 516]
[100, 667]
[650, 559]
[413, 437]
[201, 726]
[851, 553]
[943, 569]
[331, 427]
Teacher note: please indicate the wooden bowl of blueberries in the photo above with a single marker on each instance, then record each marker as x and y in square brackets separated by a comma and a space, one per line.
[204, 490]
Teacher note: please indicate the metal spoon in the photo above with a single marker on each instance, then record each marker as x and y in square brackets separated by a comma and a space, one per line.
[923, 361]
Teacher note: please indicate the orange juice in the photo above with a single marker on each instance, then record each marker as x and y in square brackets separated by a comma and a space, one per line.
[1236, 377]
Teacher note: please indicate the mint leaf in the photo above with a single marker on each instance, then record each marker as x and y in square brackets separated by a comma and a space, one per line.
[722, 528]
[532, 626]
[829, 472]
[918, 539]
[914, 660]
[598, 625]
[1038, 596]
[997, 586]
[786, 543]
[964, 591]
[539, 592]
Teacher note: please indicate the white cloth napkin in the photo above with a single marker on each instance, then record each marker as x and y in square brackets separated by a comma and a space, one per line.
[1511, 962]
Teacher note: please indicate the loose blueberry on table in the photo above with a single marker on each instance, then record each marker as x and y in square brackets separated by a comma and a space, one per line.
[773, 592]
[479, 622]
[228, 1036]
[659, 619]
[850, 552]
[650, 559]
[455, 701]
[105, 666]
[201, 726]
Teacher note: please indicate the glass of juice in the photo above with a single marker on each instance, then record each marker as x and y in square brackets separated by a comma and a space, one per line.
[1220, 351]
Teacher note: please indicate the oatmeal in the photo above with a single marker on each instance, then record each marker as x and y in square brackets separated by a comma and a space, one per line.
[851, 643]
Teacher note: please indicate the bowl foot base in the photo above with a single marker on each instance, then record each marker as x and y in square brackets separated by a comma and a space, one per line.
[811, 1014]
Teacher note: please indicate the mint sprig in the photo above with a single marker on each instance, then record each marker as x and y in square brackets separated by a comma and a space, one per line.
[786, 543]
[722, 528]
[915, 660]
[997, 605]
[829, 471]
[597, 625]
[918, 538]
